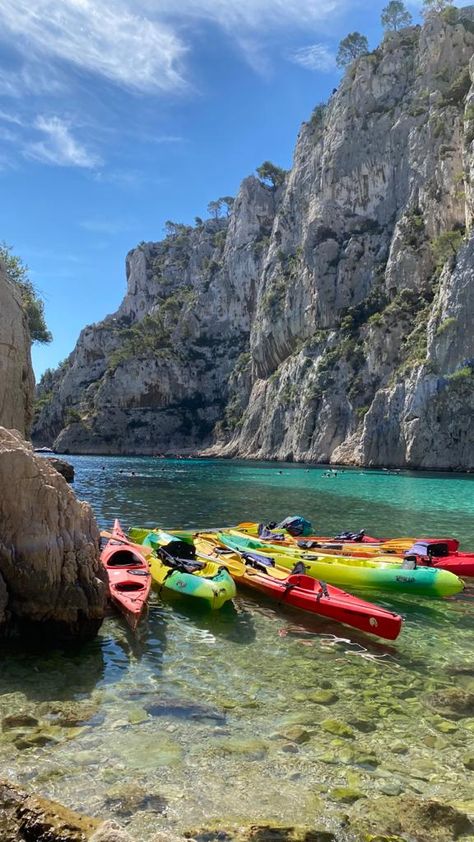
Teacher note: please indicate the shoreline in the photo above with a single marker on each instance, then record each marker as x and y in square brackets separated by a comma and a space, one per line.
[303, 463]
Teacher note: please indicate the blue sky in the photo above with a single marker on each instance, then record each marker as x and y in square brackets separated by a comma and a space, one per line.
[116, 115]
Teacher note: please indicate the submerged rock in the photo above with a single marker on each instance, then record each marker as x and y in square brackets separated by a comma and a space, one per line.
[453, 701]
[182, 709]
[70, 714]
[423, 820]
[127, 798]
[18, 720]
[338, 728]
[323, 697]
[225, 832]
[364, 725]
[50, 572]
[346, 795]
[295, 734]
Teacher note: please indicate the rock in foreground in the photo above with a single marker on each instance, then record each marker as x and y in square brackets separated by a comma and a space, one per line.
[31, 817]
[50, 572]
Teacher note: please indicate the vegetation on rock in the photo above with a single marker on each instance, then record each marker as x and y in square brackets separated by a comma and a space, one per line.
[350, 48]
[395, 15]
[271, 175]
[17, 273]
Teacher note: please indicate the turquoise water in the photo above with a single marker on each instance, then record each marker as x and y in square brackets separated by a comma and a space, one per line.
[241, 715]
[190, 492]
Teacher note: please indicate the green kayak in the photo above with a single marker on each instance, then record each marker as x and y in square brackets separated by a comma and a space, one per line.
[207, 583]
[353, 573]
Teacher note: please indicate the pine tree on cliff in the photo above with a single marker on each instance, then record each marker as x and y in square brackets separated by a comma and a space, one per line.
[214, 208]
[395, 16]
[271, 175]
[350, 48]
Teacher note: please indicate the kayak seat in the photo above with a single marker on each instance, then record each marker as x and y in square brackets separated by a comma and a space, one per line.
[409, 562]
[258, 562]
[308, 545]
[183, 565]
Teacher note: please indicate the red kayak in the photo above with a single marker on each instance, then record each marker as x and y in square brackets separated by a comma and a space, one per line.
[128, 574]
[443, 553]
[299, 590]
[309, 594]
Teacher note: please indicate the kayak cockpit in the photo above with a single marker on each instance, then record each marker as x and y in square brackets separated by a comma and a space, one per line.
[124, 558]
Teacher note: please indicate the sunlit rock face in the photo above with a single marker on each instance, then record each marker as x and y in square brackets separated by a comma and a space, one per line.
[51, 580]
[16, 374]
[328, 320]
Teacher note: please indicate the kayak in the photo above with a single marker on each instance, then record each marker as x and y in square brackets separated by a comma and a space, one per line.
[440, 553]
[128, 575]
[437, 554]
[299, 590]
[354, 573]
[428, 552]
[174, 567]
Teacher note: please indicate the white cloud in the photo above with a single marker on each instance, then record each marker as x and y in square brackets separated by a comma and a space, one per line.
[314, 57]
[104, 37]
[109, 227]
[140, 44]
[59, 147]
[253, 15]
[33, 76]
[15, 119]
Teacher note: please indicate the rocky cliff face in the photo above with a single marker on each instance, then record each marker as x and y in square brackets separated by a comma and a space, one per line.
[326, 321]
[153, 376]
[16, 374]
[51, 578]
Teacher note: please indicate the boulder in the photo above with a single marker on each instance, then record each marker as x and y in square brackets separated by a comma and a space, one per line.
[51, 579]
[64, 468]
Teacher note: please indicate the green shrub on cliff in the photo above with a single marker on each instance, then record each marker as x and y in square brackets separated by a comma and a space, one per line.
[17, 272]
[446, 246]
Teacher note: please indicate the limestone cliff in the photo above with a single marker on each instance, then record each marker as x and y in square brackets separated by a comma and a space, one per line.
[16, 374]
[328, 320]
[51, 578]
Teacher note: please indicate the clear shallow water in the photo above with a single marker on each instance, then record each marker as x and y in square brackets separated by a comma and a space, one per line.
[195, 719]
